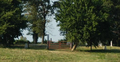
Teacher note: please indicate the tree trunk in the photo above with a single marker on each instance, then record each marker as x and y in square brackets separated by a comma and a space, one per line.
[35, 37]
[4, 42]
[91, 46]
[74, 47]
[1, 39]
[42, 39]
[43, 34]
[71, 45]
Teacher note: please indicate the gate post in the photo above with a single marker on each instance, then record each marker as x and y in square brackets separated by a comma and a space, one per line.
[59, 45]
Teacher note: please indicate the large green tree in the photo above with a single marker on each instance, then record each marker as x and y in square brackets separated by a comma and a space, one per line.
[11, 21]
[115, 15]
[38, 12]
[86, 20]
[31, 7]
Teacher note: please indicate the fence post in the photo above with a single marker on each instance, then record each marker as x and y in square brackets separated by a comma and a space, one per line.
[49, 44]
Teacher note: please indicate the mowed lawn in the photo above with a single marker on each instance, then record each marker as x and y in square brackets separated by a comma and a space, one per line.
[42, 55]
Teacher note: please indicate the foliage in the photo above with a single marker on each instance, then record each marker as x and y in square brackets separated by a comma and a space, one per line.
[45, 41]
[116, 17]
[87, 20]
[20, 42]
[62, 40]
[11, 21]
[38, 12]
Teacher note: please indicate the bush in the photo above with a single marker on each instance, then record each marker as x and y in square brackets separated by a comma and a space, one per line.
[45, 42]
[20, 42]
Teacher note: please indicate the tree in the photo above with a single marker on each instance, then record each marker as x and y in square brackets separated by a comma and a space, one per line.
[11, 21]
[85, 20]
[39, 10]
[32, 8]
[115, 15]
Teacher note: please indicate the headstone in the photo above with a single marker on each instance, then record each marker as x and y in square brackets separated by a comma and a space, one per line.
[26, 45]
[111, 43]
[86, 44]
[100, 44]
[105, 48]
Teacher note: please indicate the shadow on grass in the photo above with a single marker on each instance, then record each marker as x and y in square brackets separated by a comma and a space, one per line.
[35, 47]
[102, 51]
[44, 47]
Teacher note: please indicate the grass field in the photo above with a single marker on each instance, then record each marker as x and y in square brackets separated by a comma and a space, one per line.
[35, 54]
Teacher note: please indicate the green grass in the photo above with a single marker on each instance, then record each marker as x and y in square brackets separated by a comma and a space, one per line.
[35, 54]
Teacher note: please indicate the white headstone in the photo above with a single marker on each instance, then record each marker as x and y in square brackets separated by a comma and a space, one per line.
[100, 44]
[111, 43]
[86, 44]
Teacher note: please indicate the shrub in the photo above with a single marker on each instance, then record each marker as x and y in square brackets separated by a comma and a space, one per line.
[20, 42]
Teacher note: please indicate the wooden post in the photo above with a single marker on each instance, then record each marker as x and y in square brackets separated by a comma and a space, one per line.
[71, 45]
[59, 45]
[47, 44]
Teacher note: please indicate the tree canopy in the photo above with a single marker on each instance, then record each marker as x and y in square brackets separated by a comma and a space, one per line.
[38, 11]
[87, 20]
[11, 21]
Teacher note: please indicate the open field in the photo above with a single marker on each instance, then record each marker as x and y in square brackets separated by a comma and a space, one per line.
[82, 54]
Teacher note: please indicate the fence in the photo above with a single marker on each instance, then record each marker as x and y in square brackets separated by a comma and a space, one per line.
[59, 45]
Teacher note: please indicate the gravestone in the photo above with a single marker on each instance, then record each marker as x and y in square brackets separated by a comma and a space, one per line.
[100, 44]
[105, 48]
[111, 43]
[26, 45]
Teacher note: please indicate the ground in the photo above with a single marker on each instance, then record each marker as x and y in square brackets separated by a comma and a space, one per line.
[82, 54]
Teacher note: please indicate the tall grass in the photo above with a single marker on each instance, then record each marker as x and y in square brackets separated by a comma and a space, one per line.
[42, 55]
